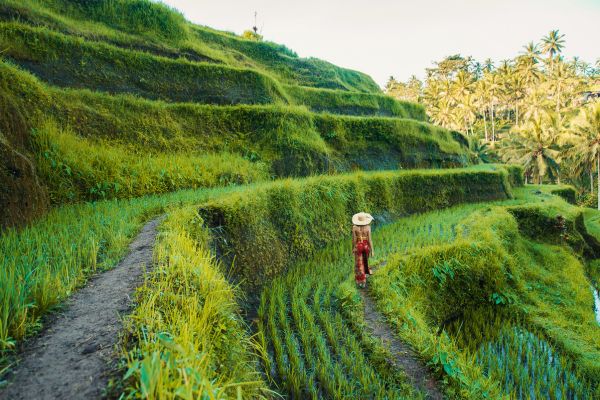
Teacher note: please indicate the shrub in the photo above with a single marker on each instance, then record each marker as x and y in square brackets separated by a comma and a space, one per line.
[568, 193]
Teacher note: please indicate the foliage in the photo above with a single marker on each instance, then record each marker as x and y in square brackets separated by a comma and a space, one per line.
[534, 284]
[157, 29]
[81, 169]
[224, 144]
[538, 90]
[186, 338]
[354, 103]
[63, 60]
[42, 264]
[288, 221]
[317, 347]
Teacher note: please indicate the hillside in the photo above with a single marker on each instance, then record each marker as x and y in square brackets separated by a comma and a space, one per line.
[127, 98]
[176, 223]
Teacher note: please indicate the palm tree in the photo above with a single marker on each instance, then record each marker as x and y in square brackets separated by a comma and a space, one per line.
[534, 147]
[532, 52]
[553, 45]
[584, 137]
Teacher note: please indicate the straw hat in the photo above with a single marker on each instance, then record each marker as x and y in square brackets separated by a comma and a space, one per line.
[362, 218]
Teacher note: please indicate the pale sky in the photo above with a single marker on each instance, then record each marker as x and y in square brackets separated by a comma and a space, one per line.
[401, 38]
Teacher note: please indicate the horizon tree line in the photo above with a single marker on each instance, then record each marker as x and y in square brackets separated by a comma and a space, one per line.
[528, 110]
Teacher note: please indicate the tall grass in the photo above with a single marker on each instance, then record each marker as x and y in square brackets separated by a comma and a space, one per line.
[78, 169]
[42, 264]
[185, 336]
[544, 289]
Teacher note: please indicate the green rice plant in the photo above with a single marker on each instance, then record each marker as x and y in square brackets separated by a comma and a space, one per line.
[546, 279]
[186, 326]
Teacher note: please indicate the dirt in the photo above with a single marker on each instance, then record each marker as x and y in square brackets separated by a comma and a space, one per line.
[403, 357]
[74, 357]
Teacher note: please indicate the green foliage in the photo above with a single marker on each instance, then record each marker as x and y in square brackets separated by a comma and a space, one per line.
[157, 29]
[285, 141]
[354, 103]
[187, 308]
[42, 264]
[568, 193]
[316, 342]
[68, 61]
[77, 169]
[135, 16]
[288, 221]
[480, 277]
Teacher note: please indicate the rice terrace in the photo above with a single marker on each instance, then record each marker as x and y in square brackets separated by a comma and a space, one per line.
[192, 213]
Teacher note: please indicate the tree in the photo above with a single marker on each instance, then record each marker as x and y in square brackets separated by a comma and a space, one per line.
[584, 138]
[534, 147]
[552, 44]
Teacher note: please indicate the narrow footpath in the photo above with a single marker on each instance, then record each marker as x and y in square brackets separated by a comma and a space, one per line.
[74, 356]
[403, 357]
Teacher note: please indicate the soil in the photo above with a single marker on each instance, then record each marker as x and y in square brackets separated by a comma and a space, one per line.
[74, 357]
[403, 357]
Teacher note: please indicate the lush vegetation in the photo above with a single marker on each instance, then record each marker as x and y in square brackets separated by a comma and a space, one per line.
[293, 219]
[475, 278]
[186, 337]
[532, 110]
[115, 106]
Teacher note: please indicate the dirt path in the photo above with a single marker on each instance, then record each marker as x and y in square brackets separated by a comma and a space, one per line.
[404, 357]
[72, 358]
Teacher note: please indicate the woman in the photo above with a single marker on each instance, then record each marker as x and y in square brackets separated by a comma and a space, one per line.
[362, 246]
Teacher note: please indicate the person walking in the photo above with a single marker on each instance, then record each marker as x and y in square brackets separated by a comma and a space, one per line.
[362, 246]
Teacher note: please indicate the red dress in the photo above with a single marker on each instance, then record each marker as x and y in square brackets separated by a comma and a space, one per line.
[361, 250]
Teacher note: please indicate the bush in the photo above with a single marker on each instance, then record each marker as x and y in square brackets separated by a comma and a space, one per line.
[568, 193]
[287, 221]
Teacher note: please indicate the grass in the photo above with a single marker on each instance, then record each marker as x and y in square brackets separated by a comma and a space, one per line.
[538, 286]
[44, 263]
[156, 28]
[76, 126]
[77, 169]
[293, 219]
[315, 349]
[185, 337]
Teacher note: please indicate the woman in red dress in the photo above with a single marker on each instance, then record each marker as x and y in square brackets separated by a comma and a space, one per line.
[362, 246]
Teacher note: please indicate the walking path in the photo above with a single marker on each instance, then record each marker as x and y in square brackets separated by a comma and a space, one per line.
[404, 357]
[73, 357]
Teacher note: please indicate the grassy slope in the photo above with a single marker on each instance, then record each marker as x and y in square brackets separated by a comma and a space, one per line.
[42, 264]
[489, 259]
[91, 145]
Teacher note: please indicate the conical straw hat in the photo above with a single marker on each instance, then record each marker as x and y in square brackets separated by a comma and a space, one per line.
[362, 218]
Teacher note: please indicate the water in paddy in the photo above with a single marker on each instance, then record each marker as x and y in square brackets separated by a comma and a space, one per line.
[596, 294]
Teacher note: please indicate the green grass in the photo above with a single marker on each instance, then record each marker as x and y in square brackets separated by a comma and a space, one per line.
[123, 141]
[76, 168]
[464, 272]
[143, 25]
[314, 348]
[186, 338]
[44, 263]
[293, 219]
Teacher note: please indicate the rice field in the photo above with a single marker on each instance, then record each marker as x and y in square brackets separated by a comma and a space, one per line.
[310, 320]
[316, 347]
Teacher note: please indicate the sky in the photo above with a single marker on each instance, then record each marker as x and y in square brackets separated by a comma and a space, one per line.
[402, 38]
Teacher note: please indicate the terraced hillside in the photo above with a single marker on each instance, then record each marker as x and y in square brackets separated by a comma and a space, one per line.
[184, 195]
[127, 98]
